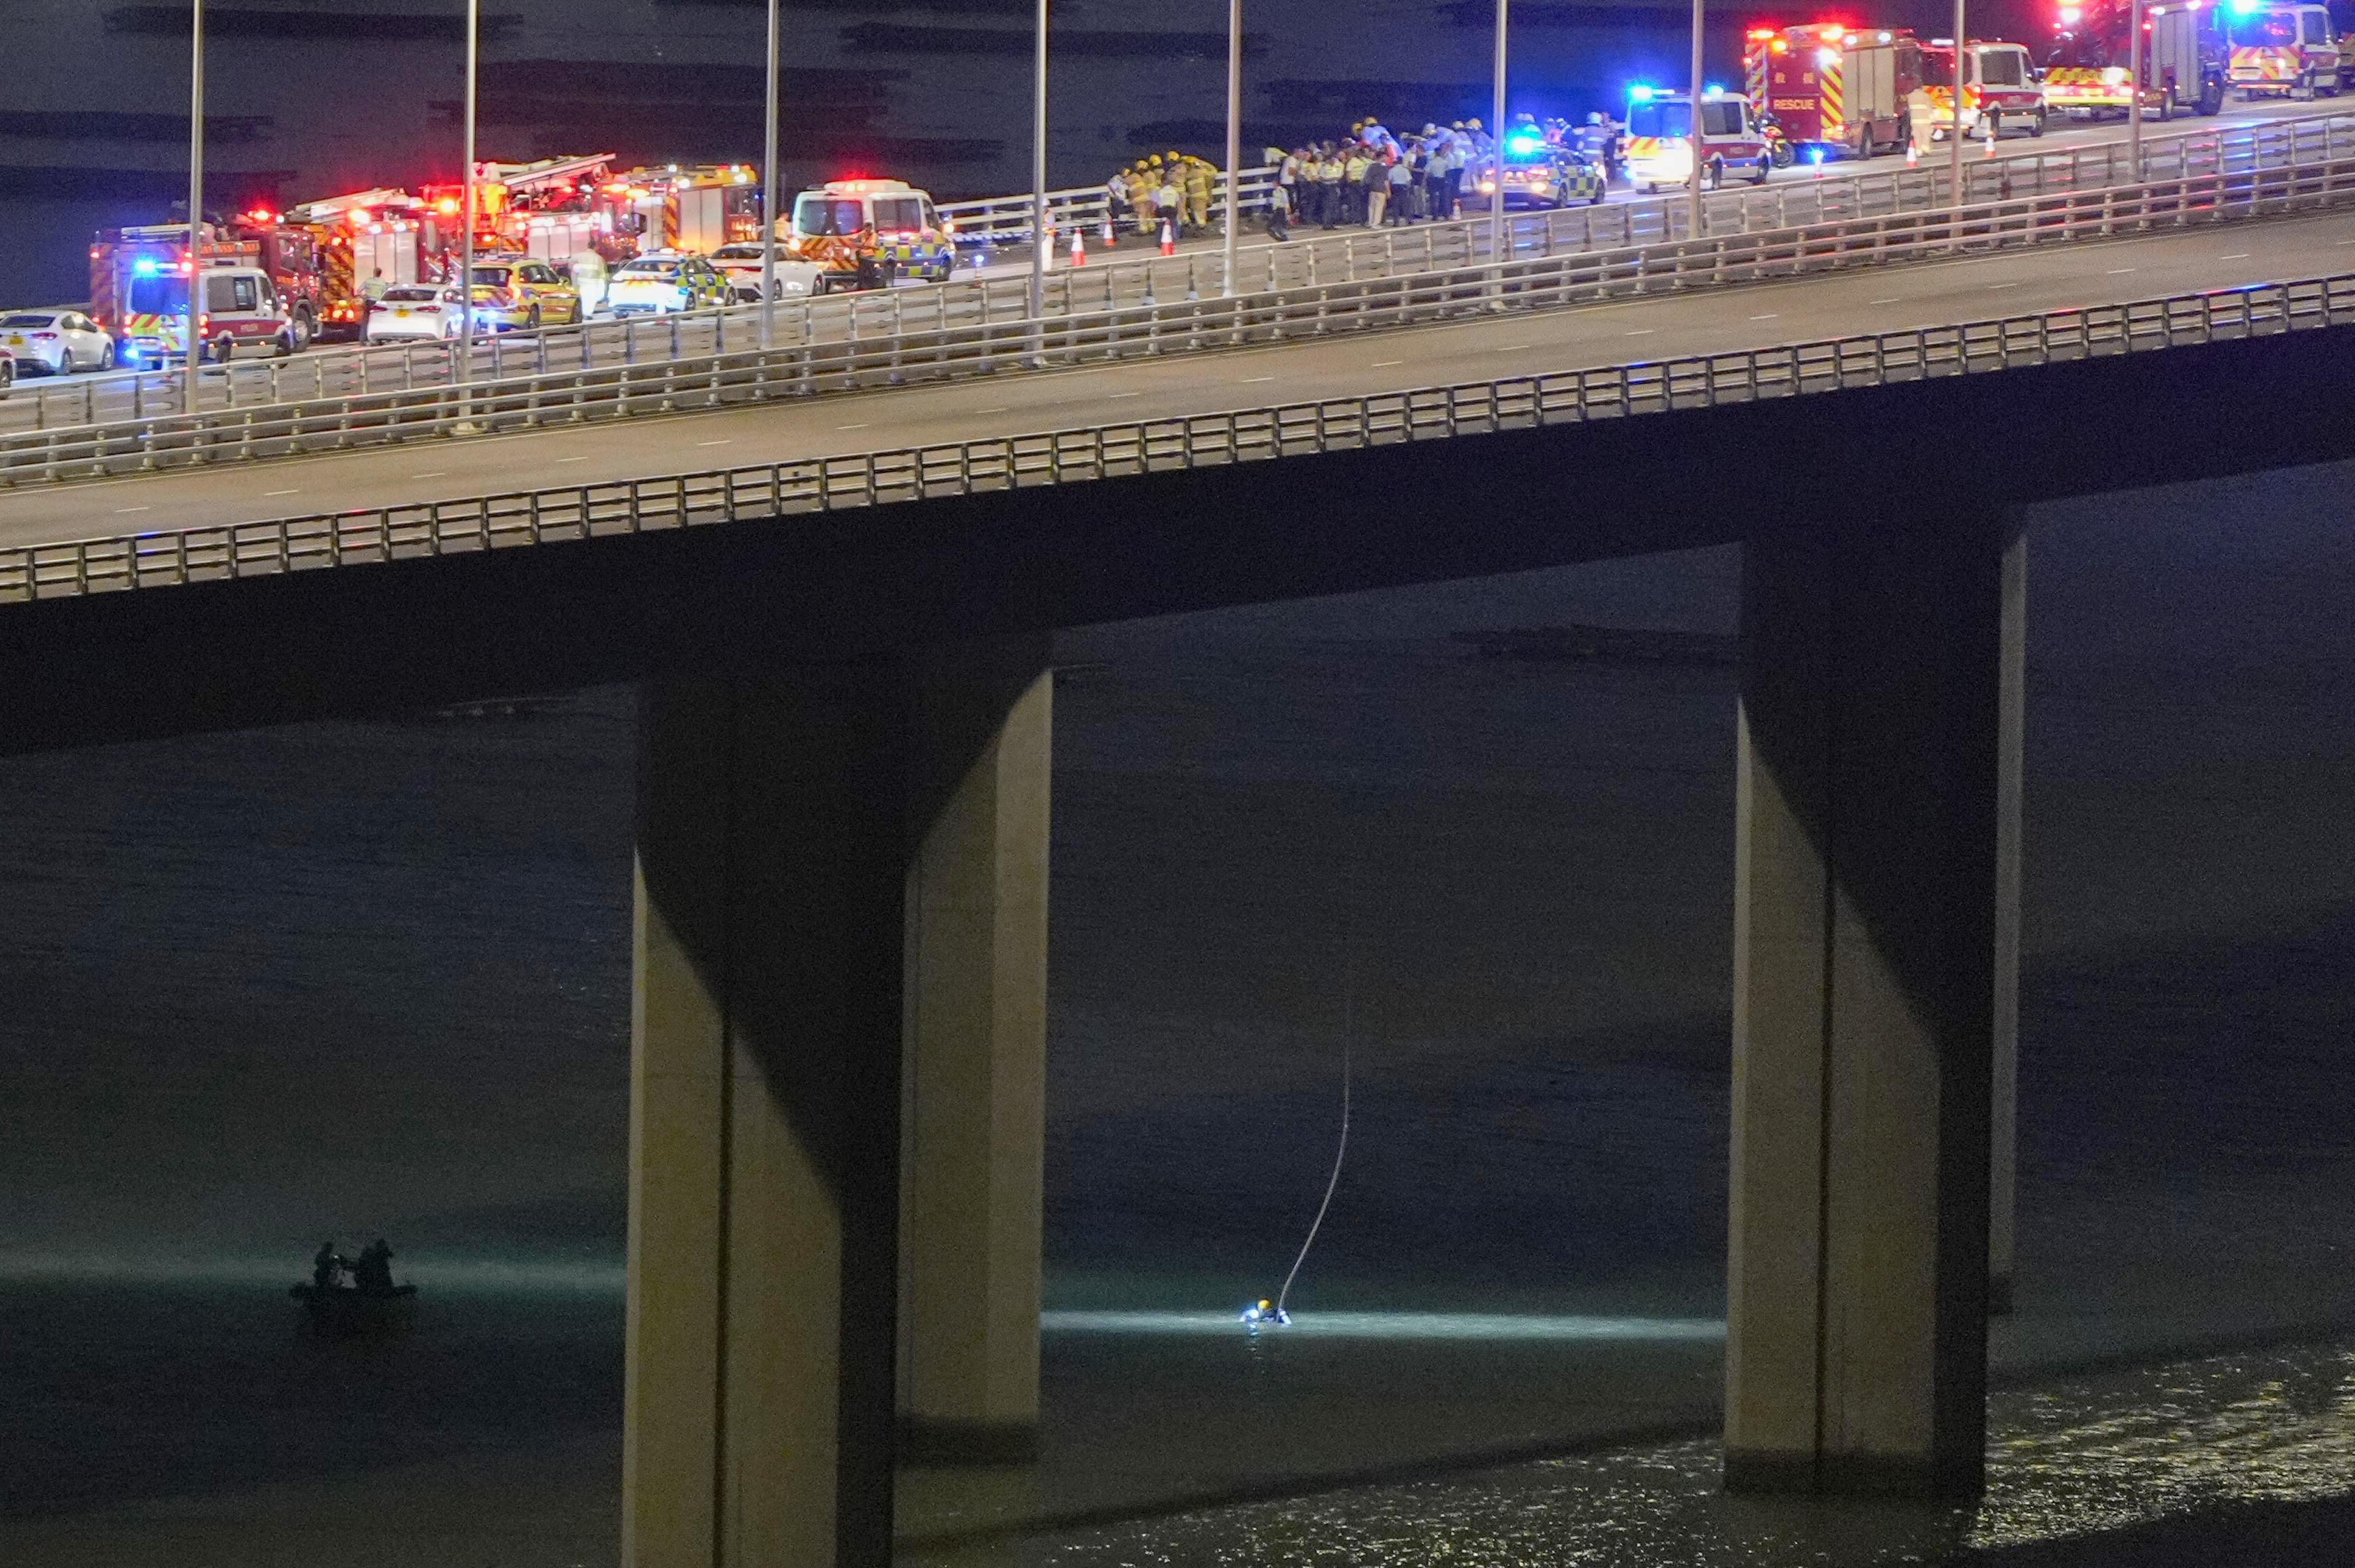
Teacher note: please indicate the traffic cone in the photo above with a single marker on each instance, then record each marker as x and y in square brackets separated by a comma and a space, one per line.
[1991, 139]
[1111, 234]
[1168, 237]
[1079, 246]
[1913, 153]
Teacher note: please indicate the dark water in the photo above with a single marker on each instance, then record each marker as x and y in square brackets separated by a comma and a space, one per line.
[351, 980]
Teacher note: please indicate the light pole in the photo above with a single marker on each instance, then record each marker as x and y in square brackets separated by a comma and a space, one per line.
[1234, 137]
[1955, 119]
[1040, 238]
[2134, 86]
[1699, 16]
[466, 241]
[195, 197]
[769, 194]
[1497, 142]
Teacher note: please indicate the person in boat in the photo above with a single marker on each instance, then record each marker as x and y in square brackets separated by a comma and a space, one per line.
[373, 1271]
[327, 1268]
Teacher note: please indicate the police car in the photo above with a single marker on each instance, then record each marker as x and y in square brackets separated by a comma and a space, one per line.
[662, 282]
[1540, 172]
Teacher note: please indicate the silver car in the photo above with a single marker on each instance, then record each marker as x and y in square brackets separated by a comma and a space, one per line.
[59, 342]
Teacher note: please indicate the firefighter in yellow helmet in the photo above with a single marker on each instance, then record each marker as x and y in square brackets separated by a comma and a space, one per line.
[1199, 180]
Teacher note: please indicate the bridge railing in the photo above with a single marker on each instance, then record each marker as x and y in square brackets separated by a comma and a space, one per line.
[1060, 457]
[903, 355]
[1315, 260]
[1007, 219]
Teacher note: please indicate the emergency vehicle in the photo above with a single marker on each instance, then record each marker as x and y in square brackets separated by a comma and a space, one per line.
[695, 210]
[1659, 147]
[2286, 51]
[867, 231]
[1541, 170]
[2185, 58]
[1999, 84]
[1836, 91]
[139, 291]
[362, 238]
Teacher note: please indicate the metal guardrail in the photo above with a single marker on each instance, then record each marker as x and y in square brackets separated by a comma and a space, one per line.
[565, 398]
[1311, 261]
[1117, 451]
[1006, 218]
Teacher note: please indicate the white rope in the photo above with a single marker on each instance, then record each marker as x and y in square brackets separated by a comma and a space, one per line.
[1349, 1028]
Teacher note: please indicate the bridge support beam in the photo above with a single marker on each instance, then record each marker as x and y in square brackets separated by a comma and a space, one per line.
[1865, 936]
[819, 861]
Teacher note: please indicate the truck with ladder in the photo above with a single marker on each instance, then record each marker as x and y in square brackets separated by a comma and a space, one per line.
[1835, 92]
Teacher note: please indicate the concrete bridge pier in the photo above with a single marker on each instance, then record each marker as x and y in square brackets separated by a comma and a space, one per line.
[838, 1039]
[1870, 838]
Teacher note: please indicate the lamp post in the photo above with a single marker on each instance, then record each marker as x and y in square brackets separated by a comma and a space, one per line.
[769, 194]
[2133, 87]
[1497, 142]
[1699, 16]
[195, 197]
[1234, 139]
[1955, 119]
[1040, 238]
[466, 242]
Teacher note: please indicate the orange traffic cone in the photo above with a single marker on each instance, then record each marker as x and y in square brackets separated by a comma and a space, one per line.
[1079, 246]
[1111, 235]
[1913, 153]
[1168, 237]
[1991, 139]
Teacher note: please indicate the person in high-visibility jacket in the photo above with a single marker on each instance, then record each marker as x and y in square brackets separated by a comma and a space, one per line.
[1200, 182]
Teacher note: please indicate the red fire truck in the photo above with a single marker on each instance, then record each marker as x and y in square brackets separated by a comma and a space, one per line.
[2185, 59]
[1836, 91]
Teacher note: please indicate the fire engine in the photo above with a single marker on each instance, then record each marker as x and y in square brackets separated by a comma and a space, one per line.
[2185, 58]
[132, 269]
[693, 209]
[2000, 84]
[2286, 50]
[1836, 91]
[367, 235]
[1659, 144]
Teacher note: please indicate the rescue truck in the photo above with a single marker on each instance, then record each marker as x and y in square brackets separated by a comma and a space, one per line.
[2185, 58]
[362, 237]
[2286, 51]
[1659, 148]
[138, 289]
[695, 210]
[1834, 89]
[865, 232]
[2000, 84]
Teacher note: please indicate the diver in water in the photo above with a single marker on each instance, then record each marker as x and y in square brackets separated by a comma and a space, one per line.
[1264, 1313]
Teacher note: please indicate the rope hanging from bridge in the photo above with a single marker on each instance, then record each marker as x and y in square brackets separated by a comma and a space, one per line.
[1341, 1149]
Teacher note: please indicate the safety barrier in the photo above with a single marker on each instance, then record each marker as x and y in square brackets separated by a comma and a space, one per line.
[1114, 450]
[1782, 203]
[951, 349]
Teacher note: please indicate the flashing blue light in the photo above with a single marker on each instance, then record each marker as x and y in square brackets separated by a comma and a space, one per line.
[1640, 94]
[1713, 92]
[1520, 146]
[2247, 7]
[1815, 154]
[144, 267]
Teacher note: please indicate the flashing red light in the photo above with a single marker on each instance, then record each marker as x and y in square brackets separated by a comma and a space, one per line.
[1832, 32]
[1759, 35]
[1779, 47]
[447, 207]
[263, 216]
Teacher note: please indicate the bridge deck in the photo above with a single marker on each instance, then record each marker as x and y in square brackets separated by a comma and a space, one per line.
[1849, 303]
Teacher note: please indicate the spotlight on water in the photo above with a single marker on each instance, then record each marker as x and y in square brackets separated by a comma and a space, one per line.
[1460, 1327]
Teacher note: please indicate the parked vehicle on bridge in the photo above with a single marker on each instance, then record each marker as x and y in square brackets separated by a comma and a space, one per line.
[2185, 59]
[7, 369]
[531, 291]
[1659, 144]
[414, 310]
[2286, 51]
[664, 284]
[1539, 171]
[740, 264]
[862, 232]
[128, 262]
[1838, 92]
[2000, 83]
[238, 307]
[59, 342]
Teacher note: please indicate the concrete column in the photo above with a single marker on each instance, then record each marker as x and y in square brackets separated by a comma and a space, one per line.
[1864, 989]
[840, 971]
[2012, 762]
[972, 1119]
